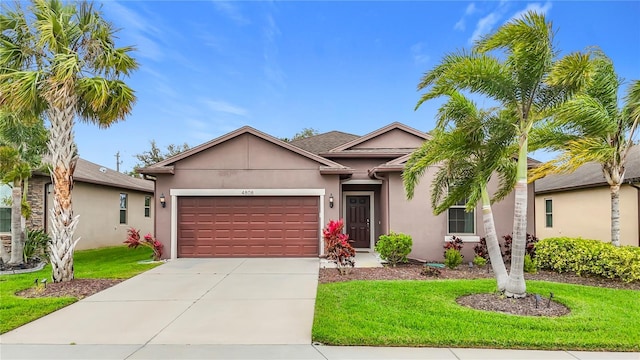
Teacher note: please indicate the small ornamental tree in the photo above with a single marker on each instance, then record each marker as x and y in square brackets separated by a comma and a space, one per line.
[337, 247]
[134, 240]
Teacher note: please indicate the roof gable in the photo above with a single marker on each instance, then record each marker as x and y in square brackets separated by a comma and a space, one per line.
[166, 166]
[395, 136]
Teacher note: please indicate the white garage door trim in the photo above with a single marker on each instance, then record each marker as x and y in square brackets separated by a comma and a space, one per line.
[175, 193]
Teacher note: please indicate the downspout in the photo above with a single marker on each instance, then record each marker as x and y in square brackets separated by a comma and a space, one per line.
[638, 208]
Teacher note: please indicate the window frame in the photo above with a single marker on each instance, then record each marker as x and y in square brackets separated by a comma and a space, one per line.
[4, 206]
[461, 205]
[548, 213]
[147, 206]
[123, 210]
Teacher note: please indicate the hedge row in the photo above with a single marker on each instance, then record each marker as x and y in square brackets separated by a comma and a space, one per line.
[589, 257]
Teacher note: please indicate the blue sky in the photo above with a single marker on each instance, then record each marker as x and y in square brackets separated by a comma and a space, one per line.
[210, 67]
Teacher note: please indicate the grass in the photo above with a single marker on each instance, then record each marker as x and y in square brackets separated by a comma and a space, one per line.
[105, 263]
[424, 313]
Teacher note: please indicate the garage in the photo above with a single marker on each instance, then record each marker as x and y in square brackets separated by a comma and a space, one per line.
[248, 226]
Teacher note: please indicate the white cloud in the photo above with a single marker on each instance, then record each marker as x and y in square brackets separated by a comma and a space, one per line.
[225, 107]
[469, 10]
[418, 51]
[139, 29]
[537, 7]
[272, 70]
[486, 23]
[231, 11]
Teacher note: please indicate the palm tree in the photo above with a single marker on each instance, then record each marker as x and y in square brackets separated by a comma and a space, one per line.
[527, 81]
[61, 61]
[22, 145]
[591, 127]
[468, 146]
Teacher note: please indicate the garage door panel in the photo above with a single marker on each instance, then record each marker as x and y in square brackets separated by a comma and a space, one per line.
[247, 226]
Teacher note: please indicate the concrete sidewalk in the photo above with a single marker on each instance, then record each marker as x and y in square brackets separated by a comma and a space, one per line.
[287, 352]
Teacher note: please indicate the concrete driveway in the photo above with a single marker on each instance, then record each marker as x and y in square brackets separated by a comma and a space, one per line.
[191, 301]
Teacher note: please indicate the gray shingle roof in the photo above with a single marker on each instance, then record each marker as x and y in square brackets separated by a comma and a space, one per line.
[87, 171]
[324, 142]
[589, 175]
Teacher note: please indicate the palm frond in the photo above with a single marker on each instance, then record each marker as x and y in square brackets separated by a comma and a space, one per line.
[102, 101]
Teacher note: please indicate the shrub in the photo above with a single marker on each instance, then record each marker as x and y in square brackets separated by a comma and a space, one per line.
[589, 257]
[337, 247]
[133, 241]
[479, 261]
[37, 245]
[481, 249]
[452, 258]
[529, 265]
[530, 247]
[455, 243]
[394, 248]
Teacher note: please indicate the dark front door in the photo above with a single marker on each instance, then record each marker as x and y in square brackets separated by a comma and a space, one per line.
[358, 220]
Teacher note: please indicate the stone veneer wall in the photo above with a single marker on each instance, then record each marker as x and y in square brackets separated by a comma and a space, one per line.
[36, 199]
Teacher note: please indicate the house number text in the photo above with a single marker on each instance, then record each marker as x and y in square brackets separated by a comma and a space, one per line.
[247, 192]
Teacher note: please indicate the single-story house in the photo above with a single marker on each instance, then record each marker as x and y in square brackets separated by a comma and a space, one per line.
[247, 193]
[579, 204]
[107, 201]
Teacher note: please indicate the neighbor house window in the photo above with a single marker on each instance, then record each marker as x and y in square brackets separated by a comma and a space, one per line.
[548, 212]
[461, 221]
[147, 206]
[123, 208]
[5, 208]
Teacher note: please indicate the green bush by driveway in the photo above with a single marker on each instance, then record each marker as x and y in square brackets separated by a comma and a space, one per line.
[106, 263]
[424, 313]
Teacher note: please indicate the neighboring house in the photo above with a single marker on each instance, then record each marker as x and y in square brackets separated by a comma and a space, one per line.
[107, 201]
[247, 193]
[579, 204]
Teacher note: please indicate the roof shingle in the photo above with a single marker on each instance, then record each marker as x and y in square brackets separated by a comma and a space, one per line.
[324, 142]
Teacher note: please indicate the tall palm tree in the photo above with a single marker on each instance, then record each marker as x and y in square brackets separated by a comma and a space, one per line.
[22, 144]
[468, 146]
[591, 127]
[61, 61]
[527, 80]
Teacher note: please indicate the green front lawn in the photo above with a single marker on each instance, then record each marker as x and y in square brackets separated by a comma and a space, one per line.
[112, 263]
[424, 313]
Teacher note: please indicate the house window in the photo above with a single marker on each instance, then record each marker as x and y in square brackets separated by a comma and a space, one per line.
[5, 208]
[123, 208]
[147, 206]
[461, 221]
[548, 212]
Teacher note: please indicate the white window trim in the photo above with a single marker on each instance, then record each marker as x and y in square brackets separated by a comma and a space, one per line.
[126, 208]
[463, 235]
[6, 206]
[175, 193]
[546, 213]
[371, 194]
[145, 207]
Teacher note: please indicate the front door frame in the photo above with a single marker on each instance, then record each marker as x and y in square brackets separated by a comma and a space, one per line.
[372, 221]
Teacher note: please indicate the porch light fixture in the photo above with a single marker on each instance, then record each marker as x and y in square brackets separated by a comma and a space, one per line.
[331, 201]
[163, 201]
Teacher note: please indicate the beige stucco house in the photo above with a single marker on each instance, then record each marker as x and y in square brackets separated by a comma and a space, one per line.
[579, 204]
[107, 201]
[247, 193]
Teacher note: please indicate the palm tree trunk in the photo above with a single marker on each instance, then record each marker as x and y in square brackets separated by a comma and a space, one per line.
[516, 286]
[17, 241]
[62, 149]
[493, 247]
[615, 214]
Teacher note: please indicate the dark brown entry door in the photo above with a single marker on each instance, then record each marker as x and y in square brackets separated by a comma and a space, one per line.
[358, 220]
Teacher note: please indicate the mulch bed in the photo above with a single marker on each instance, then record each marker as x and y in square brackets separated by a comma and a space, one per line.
[78, 288]
[30, 264]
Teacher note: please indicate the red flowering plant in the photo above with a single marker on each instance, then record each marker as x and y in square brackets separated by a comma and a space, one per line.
[337, 247]
[134, 240]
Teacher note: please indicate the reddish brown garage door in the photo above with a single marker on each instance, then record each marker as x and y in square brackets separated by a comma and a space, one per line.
[258, 226]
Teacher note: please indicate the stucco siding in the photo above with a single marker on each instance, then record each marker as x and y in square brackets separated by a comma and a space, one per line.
[415, 217]
[99, 210]
[586, 213]
[395, 138]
